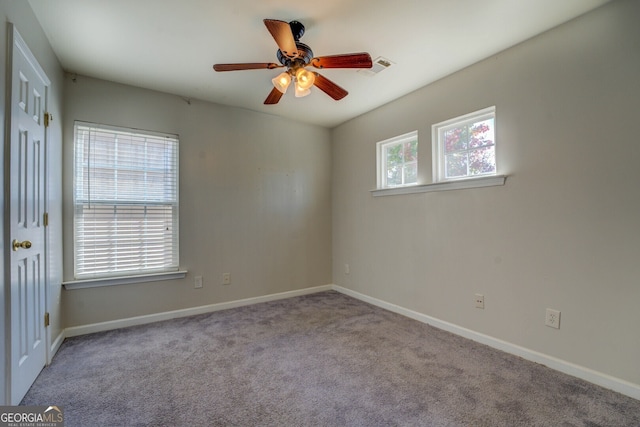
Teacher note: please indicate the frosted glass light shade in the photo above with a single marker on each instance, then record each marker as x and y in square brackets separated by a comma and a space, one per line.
[301, 92]
[305, 79]
[282, 82]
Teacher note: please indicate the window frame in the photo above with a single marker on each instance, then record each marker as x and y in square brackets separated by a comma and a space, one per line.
[438, 151]
[131, 275]
[381, 159]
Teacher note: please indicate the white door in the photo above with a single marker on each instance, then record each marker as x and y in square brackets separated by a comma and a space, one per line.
[26, 228]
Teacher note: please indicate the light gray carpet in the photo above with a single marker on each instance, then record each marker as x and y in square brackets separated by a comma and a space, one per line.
[320, 360]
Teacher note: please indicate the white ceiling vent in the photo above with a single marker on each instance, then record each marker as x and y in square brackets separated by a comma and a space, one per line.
[379, 64]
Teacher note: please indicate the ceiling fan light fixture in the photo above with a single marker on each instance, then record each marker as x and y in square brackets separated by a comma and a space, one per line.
[282, 82]
[304, 78]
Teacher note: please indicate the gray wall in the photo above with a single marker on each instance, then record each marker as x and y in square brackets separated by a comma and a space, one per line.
[562, 233]
[19, 13]
[255, 201]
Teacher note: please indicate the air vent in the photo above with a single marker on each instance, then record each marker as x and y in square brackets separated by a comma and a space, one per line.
[379, 64]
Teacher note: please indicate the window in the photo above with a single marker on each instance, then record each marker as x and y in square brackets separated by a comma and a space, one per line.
[465, 147]
[125, 202]
[398, 161]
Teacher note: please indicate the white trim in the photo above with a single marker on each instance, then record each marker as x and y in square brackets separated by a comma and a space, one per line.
[607, 381]
[19, 42]
[123, 280]
[460, 184]
[156, 317]
[126, 130]
[55, 346]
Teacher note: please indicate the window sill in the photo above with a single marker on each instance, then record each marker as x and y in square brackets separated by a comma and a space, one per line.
[123, 280]
[489, 181]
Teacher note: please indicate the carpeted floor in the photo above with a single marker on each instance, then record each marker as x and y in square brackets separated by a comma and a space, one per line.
[319, 360]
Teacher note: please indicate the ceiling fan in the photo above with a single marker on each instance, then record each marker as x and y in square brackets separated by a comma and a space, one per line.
[295, 57]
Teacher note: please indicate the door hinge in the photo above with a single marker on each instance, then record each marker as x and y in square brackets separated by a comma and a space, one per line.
[48, 118]
[45, 219]
[46, 319]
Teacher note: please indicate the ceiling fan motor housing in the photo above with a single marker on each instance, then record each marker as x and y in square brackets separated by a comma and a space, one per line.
[305, 54]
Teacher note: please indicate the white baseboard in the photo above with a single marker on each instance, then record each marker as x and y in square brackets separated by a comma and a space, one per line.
[55, 346]
[607, 381]
[156, 317]
[616, 384]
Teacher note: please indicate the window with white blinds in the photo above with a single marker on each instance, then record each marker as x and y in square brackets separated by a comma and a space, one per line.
[125, 201]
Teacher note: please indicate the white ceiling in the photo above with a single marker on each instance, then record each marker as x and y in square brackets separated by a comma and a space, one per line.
[171, 45]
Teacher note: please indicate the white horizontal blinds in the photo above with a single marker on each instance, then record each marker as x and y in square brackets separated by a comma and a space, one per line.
[126, 202]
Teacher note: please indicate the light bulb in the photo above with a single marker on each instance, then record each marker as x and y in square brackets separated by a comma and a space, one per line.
[304, 78]
[282, 82]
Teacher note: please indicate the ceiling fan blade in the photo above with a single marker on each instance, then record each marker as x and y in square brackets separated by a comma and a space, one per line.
[246, 66]
[281, 32]
[347, 60]
[329, 87]
[273, 97]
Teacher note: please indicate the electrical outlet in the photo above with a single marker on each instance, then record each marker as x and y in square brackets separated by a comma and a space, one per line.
[552, 318]
[347, 269]
[479, 301]
[226, 278]
[197, 282]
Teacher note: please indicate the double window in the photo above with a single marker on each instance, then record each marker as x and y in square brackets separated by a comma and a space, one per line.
[462, 147]
[125, 202]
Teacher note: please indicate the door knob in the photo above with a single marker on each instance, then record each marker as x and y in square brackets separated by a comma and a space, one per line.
[24, 245]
